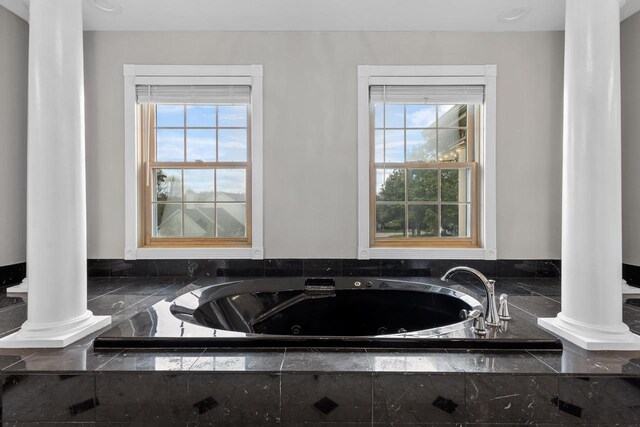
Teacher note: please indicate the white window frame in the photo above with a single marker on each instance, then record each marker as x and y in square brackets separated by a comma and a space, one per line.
[486, 75]
[191, 75]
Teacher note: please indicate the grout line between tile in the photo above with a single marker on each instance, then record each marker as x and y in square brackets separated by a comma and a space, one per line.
[284, 355]
[110, 359]
[523, 310]
[204, 350]
[464, 388]
[528, 289]
[2, 310]
[9, 332]
[280, 386]
[542, 361]
[371, 377]
[21, 360]
[631, 307]
[369, 362]
[110, 292]
[524, 286]
[628, 360]
[143, 299]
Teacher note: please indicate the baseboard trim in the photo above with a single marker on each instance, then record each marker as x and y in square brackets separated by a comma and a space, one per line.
[12, 274]
[631, 273]
[538, 268]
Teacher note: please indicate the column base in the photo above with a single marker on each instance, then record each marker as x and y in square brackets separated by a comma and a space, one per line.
[590, 338]
[55, 335]
[629, 292]
[21, 288]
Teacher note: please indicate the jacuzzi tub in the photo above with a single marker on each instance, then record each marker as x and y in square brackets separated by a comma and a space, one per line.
[313, 308]
[303, 312]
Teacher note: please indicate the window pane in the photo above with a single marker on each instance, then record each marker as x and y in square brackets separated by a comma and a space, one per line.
[198, 185]
[379, 146]
[421, 145]
[232, 145]
[231, 185]
[390, 221]
[201, 116]
[390, 185]
[168, 185]
[421, 116]
[231, 219]
[201, 145]
[456, 185]
[170, 116]
[452, 116]
[199, 220]
[423, 185]
[378, 113]
[167, 220]
[455, 220]
[451, 144]
[423, 221]
[394, 146]
[394, 116]
[232, 116]
[170, 145]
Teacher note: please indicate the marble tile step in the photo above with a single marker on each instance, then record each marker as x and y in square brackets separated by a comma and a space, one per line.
[317, 398]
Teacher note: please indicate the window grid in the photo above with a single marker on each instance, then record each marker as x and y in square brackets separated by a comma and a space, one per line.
[151, 237]
[439, 164]
[183, 202]
[468, 117]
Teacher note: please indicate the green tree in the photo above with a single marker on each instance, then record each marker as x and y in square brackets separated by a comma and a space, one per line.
[422, 186]
[168, 224]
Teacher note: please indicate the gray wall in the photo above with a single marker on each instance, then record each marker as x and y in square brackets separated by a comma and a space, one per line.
[14, 40]
[630, 46]
[310, 128]
[310, 144]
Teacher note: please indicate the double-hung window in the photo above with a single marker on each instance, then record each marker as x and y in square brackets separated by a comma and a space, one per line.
[425, 150]
[195, 143]
[197, 146]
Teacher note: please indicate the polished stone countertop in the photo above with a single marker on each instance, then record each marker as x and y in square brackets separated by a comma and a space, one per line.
[122, 298]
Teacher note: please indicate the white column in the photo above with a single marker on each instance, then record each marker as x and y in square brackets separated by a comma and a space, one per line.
[591, 315]
[56, 199]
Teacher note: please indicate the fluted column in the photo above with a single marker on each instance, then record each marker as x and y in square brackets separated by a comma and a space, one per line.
[591, 315]
[56, 187]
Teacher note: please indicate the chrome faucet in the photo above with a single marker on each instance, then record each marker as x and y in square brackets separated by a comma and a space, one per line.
[491, 315]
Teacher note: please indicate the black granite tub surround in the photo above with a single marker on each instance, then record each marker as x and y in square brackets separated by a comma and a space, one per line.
[60, 398]
[328, 313]
[601, 400]
[416, 398]
[522, 399]
[318, 397]
[80, 386]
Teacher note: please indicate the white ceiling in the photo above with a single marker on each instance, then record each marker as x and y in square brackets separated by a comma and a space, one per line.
[322, 15]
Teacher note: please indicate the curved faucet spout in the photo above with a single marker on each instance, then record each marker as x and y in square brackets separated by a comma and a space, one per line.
[491, 315]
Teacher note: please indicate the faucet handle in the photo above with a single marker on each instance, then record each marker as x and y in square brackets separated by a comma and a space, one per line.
[479, 325]
[470, 314]
[503, 310]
